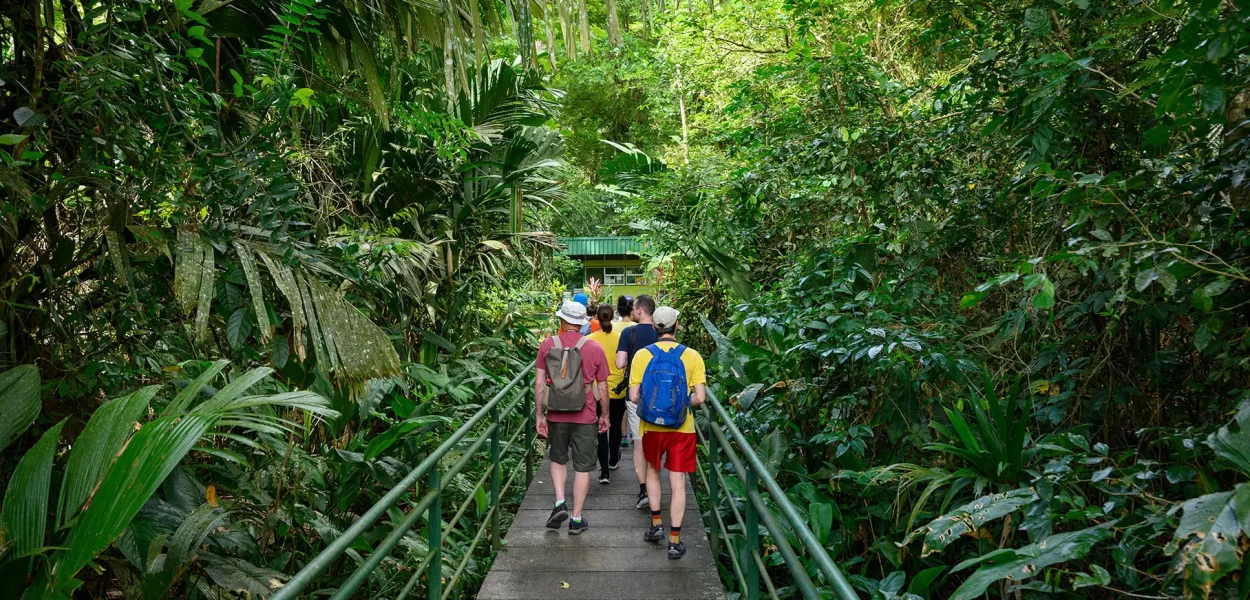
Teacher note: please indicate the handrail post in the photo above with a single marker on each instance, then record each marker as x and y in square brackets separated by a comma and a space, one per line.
[435, 583]
[713, 484]
[753, 538]
[530, 425]
[494, 480]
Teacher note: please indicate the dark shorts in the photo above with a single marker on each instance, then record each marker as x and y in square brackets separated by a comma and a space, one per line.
[677, 450]
[579, 439]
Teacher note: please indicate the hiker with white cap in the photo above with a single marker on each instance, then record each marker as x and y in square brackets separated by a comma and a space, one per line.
[665, 380]
[572, 375]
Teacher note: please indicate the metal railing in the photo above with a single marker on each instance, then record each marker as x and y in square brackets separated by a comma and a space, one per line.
[430, 504]
[752, 473]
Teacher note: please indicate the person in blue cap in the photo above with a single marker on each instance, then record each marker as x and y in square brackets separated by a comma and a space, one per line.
[583, 300]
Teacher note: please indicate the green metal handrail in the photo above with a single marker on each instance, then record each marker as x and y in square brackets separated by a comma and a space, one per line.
[751, 473]
[430, 503]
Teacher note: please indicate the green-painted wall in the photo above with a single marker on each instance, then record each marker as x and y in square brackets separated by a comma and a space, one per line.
[633, 290]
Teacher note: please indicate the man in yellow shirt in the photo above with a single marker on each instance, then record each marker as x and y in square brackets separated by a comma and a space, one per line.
[664, 447]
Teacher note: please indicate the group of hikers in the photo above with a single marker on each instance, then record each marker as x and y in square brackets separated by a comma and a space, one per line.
[584, 396]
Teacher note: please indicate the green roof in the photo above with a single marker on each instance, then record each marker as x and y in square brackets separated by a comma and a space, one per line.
[601, 246]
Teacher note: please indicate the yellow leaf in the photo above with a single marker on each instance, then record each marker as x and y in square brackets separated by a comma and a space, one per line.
[210, 495]
[971, 185]
[564, 585]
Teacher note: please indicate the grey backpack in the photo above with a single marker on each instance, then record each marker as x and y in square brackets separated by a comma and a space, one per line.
[564, 367]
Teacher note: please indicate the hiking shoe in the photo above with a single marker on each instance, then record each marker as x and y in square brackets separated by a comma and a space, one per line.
[676, 550]
[624, 442]
[643, 501]
[580, 525]
[603, 478]
[558, 515]
[655, 533]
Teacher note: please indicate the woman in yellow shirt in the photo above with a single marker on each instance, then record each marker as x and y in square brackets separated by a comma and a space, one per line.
[608, 336]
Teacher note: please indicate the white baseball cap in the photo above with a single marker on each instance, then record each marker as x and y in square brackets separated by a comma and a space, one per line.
[572, 313]
[665, 317]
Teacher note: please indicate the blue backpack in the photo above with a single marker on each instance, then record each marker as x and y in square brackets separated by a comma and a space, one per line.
[664, 397]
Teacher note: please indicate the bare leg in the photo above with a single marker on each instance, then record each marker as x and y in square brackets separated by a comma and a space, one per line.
[677, 496]
[653, 488]
[560, 474]
[581, 485]
[640, 464]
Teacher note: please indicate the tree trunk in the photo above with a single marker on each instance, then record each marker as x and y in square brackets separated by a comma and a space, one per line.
[566, 29]
[551, 40]
[681, 105]
[584, 25]
[479, 36]
[449, 58]
[615, 39]
[645, 17]
[525, 34]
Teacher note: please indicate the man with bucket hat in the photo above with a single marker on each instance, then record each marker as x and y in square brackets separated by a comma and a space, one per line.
[572, 375]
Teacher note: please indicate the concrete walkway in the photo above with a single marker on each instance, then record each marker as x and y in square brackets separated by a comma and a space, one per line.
[610, 560]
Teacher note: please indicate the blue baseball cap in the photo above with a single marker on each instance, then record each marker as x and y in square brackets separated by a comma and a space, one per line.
[581, 299]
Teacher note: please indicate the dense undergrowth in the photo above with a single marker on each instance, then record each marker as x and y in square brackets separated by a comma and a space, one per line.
[258, 260]
[975, 275]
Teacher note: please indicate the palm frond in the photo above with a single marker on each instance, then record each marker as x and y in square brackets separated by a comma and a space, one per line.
[19, 401]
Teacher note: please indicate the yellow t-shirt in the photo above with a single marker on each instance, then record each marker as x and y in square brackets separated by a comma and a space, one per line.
[609, 342]
[696, 374]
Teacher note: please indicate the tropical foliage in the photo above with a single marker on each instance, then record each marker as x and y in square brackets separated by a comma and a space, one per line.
[974, 275]
[326, 196]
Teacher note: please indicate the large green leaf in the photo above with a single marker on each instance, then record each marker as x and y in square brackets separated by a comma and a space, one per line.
[1211, 528]
[149, 457]
[180, 402]
[238, 575]
[96, 448]
[944, 530]
[726, 267]
[1019, 564]
[19, 401]
[1234, 446]
[25, 516]
[182, 548]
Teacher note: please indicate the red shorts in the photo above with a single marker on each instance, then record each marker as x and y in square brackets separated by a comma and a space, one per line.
[676, 448]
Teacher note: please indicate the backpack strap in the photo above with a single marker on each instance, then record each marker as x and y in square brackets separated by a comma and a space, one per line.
[679, 349]
[582, 342]
[564, 358]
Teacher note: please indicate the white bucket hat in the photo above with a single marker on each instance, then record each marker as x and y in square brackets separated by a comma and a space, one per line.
[572, 313]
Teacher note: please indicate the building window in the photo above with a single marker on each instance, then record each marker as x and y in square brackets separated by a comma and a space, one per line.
[595, 273]
[614, 276]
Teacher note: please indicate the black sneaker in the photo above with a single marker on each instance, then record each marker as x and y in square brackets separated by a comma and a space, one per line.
[603, 478]
[655, 533]
[558, 515]
[582, 524]
[614, 464]
[676, 550]
[643, 501]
